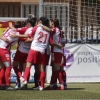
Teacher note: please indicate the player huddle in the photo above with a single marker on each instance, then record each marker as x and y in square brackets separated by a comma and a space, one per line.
[36, 40]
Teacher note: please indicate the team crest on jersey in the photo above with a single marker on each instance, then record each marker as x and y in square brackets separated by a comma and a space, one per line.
[7, 55]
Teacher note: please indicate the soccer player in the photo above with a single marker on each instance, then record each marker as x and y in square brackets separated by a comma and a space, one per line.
[47, 55]
[5, 59]
[37, 52]
[56, 55]
[22, 50]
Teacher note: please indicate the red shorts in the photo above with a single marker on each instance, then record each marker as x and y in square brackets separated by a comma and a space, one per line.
[36, 57]
[63, 62]
[4, 55]
[56, 57]
[20, 56]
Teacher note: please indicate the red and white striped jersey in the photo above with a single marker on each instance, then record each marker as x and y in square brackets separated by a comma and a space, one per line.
[7, 34]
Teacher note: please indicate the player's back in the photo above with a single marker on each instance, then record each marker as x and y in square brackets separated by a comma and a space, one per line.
[40, 40]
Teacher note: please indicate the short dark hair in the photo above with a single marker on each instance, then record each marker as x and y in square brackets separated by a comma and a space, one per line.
[18, 24]
[32, 21]
[44, 21]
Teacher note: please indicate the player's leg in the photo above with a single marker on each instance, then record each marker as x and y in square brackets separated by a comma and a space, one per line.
[7, 75]
[41, 62]
[56, 69]
[63, 76]
[26, 74]
[18, 74]
[36, 76]
[63, 63]
[17, 60]
[42, 76]
[2, 76]
[6, 60]
[22, 68]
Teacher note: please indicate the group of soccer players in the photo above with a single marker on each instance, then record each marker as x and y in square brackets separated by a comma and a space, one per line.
[36, 40]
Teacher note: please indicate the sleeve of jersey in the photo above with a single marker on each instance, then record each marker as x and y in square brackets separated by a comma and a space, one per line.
[53, 31]
[51, 39]
[21, 30]
[62, 35]
[31, 34]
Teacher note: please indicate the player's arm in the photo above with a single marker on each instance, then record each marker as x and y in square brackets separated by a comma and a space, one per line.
[29, 40]
[45, 27]
[30, 35]
[63, 42]
[19, 36]
[52, 43]
[21, 30]
[57, 45]
[26, 39]
[4, 39]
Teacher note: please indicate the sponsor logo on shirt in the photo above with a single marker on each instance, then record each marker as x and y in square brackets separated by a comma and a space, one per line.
[7, 55]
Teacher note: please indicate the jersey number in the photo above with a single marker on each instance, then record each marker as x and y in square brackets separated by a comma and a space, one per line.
[42, 37]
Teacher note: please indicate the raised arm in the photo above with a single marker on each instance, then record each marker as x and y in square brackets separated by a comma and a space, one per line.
[45, 27]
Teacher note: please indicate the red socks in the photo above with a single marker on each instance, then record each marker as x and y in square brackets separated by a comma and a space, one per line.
[17, 71]
[42, 78]
[26, 73]
[2, 76]
[59, 76]
[64, 76]
[7, 75]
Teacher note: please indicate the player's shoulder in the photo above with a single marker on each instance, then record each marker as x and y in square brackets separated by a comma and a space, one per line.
[35, 27]
[53, 29]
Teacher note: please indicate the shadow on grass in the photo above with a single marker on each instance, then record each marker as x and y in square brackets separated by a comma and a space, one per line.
[75, 88]
[56, 89]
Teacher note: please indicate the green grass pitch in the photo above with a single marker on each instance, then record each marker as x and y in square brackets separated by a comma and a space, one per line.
[74, 91]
